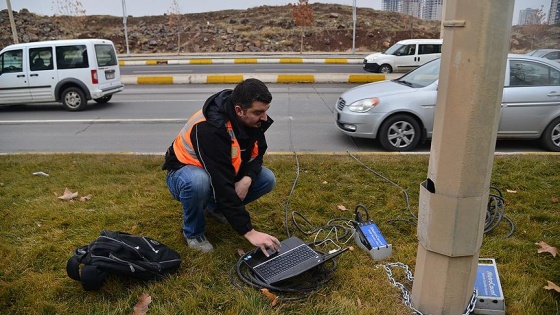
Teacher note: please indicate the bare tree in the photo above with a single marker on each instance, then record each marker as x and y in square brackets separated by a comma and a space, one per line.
[73, 9]
[176, 22]
[536, 23]
[303, 16]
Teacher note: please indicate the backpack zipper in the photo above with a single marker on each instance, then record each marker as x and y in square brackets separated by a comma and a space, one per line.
[149, 244]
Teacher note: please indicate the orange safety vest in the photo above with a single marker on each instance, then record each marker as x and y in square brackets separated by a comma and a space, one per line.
[184, 149]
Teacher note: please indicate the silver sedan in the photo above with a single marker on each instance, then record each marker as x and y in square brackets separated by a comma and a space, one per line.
[400, 113]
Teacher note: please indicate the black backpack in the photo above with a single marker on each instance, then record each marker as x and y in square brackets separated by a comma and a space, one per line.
[121, 254]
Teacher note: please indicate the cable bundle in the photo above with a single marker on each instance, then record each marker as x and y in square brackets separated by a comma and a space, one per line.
[495, 213]
[296, 288]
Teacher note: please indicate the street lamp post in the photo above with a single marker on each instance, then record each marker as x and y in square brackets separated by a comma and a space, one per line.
[354, 27]
[12, 22]
[124, 23]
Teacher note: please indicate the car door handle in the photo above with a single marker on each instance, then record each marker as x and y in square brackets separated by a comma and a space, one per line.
[34, 75]
[21, 75]
[553, 93]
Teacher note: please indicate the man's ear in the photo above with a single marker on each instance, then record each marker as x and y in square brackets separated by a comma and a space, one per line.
[238, 110]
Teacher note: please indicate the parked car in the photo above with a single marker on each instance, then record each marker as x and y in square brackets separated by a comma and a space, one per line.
[552, 54]
[67, 71]
[400, 113]
[405, 55]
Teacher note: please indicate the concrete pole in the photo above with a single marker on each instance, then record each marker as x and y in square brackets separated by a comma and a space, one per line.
[125, 16]
[354, 27]
[12, 22]
[452, 205]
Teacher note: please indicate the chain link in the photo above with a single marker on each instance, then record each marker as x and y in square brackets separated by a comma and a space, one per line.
[407, 298]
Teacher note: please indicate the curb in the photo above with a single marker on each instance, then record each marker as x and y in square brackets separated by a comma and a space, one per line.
[266, 78]
[208, 61]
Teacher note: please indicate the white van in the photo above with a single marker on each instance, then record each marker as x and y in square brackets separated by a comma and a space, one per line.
[68, 71]
[405, 55]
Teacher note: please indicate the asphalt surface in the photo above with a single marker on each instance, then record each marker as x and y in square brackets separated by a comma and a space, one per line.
[210, 59]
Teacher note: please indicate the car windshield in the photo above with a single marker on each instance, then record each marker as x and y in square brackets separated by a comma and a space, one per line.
[421, 76]
[391, 50]
[539, 53]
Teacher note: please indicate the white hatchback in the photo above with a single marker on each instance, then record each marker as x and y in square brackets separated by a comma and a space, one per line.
[405, 55]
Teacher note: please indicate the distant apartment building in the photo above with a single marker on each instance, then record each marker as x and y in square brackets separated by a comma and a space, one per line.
[423, 9]
[432, 10]
[412, 7]
[526, 16]
[554, 13]
[392, 5]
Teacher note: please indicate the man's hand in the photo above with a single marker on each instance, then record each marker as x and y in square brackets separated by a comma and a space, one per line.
[242, 186]
[263, 241]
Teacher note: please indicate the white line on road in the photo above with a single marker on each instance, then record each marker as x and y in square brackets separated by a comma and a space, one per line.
[90, 121]
[283, 71]
[148, 101]
[162, 72]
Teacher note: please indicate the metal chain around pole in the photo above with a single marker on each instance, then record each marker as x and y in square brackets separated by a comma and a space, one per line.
[407, 299]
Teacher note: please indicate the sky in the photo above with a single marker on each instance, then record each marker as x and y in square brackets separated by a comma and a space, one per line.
[149, 7]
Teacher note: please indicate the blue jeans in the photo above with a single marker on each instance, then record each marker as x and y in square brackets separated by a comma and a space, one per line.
[192, 187]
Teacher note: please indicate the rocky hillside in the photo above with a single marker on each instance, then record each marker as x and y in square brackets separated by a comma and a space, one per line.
[259, 29]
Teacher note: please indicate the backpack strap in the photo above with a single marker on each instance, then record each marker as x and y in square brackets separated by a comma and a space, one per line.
[73, 264]
[91, 277]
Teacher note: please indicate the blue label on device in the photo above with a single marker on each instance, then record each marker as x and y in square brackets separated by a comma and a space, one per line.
[373, 235]
[487, 282]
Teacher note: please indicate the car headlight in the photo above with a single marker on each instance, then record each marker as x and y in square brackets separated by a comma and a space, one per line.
[364, 105]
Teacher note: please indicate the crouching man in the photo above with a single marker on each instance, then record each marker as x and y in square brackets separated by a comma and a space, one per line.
[215, 164]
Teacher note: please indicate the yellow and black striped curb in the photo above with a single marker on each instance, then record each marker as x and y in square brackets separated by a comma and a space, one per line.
[209, 61]
[267, 78]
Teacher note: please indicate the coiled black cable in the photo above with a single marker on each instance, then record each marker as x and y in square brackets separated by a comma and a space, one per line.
[297, 288]
[494, 215]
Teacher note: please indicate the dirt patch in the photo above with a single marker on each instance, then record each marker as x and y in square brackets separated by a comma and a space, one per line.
[259, 29]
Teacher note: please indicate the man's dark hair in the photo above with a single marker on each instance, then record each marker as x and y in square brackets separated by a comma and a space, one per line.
[248, 91]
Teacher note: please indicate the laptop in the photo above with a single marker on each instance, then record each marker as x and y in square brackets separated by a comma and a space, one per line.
[293, 258]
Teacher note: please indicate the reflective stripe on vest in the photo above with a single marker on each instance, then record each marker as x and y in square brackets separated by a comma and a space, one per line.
[184, 149]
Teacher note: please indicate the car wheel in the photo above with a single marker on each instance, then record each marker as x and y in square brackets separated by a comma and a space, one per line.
[74, 99]
[104, 99]
[385, 68]
[550, 138]
[399, 133]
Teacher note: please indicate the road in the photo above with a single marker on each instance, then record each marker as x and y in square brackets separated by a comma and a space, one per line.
[242, 68]
[146, 118]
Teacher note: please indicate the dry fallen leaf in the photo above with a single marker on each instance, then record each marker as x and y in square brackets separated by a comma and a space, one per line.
[68, 195]
[271, 296]
[511, 191]
[554, 200]
[552, 286]
[141, 308]
[86, 198]
[545, 248]
[341, 208]
[359, 303]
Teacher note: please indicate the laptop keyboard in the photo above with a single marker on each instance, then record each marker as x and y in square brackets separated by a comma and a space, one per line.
[281, 263]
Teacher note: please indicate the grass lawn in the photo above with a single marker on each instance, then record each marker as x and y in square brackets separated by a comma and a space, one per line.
[39, 232]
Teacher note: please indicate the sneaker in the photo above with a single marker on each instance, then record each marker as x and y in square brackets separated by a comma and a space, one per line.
[216, 215]
[200, 243]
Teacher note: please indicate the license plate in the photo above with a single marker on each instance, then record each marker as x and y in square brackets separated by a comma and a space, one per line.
[109, 75]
